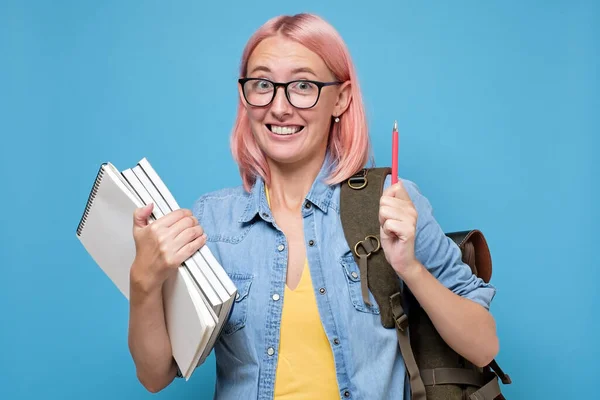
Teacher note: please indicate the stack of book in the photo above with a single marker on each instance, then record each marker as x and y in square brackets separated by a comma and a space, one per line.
[197, 299]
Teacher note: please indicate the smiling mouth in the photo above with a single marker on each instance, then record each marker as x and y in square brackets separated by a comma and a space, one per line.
[284, 130]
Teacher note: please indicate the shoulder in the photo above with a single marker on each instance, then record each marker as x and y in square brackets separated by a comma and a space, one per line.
[224, 194]
[225, 203]
[221, 214]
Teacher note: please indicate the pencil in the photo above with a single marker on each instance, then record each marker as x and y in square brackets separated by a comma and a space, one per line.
[395, 153]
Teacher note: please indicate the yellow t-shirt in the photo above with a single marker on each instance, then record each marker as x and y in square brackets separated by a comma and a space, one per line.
[305, 367]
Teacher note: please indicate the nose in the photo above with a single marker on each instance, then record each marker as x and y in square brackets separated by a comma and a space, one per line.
[280, 107]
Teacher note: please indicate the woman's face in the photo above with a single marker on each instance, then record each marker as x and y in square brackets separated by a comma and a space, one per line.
[285, 133]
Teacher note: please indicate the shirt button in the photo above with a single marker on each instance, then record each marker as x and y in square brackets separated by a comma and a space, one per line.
[275, 297]
[336, 341]
[270, 351]
[322, 290]
[265, 215]
[346, 394]
[311, 242]
[307, 205]
[354, 275]
[280, 247]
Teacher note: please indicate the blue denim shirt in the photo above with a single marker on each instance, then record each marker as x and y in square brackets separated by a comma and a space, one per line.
[245, 239]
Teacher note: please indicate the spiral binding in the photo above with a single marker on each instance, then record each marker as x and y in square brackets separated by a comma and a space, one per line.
[91, 198]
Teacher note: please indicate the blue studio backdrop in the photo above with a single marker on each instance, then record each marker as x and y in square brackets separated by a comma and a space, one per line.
[498, 110]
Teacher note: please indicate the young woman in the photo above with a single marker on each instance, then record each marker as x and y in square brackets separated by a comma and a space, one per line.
[299, 328]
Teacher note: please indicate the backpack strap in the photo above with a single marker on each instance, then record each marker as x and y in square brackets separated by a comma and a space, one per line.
[417, 387]
[443, 372]
[361, 227]
[490, 391]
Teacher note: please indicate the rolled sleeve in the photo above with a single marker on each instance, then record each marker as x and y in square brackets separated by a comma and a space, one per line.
[442, 256]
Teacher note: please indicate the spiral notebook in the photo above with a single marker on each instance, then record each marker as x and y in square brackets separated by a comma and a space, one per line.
[196, 306]
[212, 279]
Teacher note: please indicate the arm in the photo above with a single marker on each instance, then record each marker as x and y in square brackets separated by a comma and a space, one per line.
[161, 247]
[430, 265]
[465, 325]
[148, 339]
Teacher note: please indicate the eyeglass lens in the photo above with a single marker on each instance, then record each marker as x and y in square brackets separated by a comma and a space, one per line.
[300, 94]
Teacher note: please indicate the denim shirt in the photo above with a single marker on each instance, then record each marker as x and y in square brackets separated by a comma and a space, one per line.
[245, 239]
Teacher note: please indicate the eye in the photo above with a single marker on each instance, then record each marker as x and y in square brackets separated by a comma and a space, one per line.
[261, 86]
[303, 87]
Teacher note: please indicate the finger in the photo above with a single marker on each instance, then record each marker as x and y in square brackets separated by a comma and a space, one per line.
[387, 212]
[141, 215]
[400, 229]
[185, 237]
[395, 202]
[190, 248]
[399, 191]
[396, 190]
[173, 216]
[389, 191]
[405, 214]
[181, 225]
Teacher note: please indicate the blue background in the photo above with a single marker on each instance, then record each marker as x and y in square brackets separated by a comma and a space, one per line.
[498, 108]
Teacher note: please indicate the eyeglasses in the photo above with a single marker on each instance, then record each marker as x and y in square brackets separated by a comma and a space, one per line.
[302, 94]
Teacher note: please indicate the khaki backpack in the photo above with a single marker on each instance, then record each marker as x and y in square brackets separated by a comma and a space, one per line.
[435, 370]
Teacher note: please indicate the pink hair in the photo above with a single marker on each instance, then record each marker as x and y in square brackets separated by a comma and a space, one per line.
[349, 145]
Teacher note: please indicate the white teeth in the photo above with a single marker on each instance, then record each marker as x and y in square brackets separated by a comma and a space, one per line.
[284, 130]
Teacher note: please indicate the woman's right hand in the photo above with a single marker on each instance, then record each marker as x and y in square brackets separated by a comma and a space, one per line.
[162, 245]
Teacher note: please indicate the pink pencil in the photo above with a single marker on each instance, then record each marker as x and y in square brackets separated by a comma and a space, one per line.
[395, 153]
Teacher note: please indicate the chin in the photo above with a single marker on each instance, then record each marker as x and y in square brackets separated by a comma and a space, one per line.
[284, 156]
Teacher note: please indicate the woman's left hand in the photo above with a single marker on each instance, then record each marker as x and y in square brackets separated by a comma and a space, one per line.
[398, 225]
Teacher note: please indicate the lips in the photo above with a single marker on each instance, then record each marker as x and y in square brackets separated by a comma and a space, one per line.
[285, 130]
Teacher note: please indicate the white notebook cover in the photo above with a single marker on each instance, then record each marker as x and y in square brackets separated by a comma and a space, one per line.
[105, 231]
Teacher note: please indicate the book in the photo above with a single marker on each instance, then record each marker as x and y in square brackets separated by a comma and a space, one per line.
[204, 259]
[197, 299]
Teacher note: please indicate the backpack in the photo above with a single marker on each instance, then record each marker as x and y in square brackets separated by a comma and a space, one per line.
[435, 370]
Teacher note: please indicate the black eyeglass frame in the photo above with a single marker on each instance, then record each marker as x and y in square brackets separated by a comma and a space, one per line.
[284, 85]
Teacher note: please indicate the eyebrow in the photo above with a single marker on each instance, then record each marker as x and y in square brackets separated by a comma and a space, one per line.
[259, 68]
[294, 71]
[303, 69]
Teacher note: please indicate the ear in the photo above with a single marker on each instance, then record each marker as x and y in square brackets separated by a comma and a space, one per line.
[241, 94]
[343, 99]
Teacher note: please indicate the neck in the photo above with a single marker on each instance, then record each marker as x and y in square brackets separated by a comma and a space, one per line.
[290, 183]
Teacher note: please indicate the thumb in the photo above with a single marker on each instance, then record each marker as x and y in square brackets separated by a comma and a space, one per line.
[141, 215]
[399, 191]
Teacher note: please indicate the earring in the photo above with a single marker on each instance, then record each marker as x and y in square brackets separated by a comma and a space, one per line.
[337, 119]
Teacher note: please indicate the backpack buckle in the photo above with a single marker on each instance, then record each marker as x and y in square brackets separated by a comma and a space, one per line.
[358, 180]
[400, 317]
[369, 244]
[402, 322]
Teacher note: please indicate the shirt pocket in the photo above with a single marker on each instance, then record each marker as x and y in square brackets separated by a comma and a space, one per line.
[239, 310]
[352, 274]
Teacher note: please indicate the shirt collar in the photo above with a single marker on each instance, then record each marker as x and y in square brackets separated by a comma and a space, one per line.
[319, 194]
